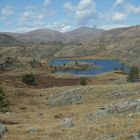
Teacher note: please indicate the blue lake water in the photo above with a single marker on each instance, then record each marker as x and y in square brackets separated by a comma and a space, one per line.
[106, 66]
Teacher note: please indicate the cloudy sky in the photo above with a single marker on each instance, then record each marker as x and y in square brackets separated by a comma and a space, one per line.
[65, 15]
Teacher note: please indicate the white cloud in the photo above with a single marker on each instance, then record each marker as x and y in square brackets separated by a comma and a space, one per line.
[27, 15]
[113, 16]
[132, 9]
[62, 26]
[35, 15]
[34, 18]
[118, 2]
[7, 11]
[31, 7]
[84, 11]
[129, 8]
[47, 3]
[69, 7]
[118, 16]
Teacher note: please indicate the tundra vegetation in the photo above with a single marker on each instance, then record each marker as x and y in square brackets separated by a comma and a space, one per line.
[44, 105]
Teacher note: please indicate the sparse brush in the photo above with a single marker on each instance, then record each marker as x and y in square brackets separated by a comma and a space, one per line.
[29, 79]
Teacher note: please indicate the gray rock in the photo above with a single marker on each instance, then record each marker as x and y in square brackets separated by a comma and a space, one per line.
[3, 130]
[136, 137]
[33, 130]
[66, 98]
[7, 113]
[119, 94]
[138, 108]
[67, 123]
[132, 106]
[103, 112]
[129, 106]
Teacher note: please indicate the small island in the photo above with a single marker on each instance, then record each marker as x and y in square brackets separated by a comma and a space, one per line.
[76, 65]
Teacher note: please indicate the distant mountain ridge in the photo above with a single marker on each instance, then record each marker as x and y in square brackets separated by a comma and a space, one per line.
[82, 34]
[8, 40]
[120, 43]
[47, 35]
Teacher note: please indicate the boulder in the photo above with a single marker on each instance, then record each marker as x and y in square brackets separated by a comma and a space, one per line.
[67, 97]
[136, 137]
[3, 130]
[128, 106]
[33, 130]
[67, 123]
[101, 113]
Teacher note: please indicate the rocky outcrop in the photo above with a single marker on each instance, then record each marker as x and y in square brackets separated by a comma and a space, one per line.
[132, 106]
[128, 106]
[3, 130]
[101, 113]
[67, 123]
[67, 97]
[136, 136]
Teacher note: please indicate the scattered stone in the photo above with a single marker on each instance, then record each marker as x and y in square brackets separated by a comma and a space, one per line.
[67, 123]
[40, 115]
[33, 130]
[7, 113]
[136, 136]
[119, 94]
[3, 130]
[129, 106]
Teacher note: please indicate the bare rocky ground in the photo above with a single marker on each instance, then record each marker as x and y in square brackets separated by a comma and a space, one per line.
[94, 112]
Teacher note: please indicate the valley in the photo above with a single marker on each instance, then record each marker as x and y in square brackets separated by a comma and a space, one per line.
[71, 85]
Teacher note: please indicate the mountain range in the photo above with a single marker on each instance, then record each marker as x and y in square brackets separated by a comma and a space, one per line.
[120, 43]
[81, 34]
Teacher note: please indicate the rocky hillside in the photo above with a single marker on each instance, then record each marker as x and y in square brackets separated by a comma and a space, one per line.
[39, 35]
[99, 112]
[8, 40]
[121, 43]
[82, 34]
[47, 35]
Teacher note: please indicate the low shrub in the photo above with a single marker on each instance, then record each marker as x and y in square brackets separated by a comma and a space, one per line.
[29, 79]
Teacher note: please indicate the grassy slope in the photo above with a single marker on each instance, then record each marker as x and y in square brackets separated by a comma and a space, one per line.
[26, 103]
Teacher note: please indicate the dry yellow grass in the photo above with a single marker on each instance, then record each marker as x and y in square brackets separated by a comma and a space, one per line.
[26, 104]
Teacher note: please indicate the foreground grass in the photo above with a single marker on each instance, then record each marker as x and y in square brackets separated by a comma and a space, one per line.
[26, 104]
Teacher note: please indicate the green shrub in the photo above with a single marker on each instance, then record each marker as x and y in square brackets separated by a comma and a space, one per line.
[83, 82]
[29, 79]
[133, 75]
[3, 101]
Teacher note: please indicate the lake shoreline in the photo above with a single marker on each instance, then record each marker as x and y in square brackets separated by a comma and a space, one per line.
[104, 64]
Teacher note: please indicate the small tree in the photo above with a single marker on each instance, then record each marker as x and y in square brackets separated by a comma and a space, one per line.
[76, 62]
[3, 102]
[29, 79]
[133, 75]
[83, 82]
[122, 68]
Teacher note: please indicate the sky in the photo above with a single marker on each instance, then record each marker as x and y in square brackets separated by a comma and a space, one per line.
[66, 15]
